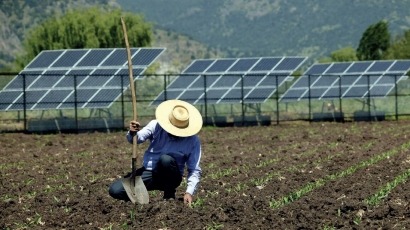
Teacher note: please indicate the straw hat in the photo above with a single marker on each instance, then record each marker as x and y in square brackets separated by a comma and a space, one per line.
[179, 118]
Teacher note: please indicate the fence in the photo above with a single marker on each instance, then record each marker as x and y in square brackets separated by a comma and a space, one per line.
[219, 105]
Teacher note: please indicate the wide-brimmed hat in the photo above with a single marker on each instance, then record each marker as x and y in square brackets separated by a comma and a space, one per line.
[179, 118]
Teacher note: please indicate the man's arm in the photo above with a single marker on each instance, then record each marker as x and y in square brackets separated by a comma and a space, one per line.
[194, 171]
[143, 134]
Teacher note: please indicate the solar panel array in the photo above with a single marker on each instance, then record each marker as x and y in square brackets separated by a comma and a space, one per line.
[85, 78]
[230, 80]
[348, 80]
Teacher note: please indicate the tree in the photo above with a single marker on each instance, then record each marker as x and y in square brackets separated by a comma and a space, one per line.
[400, 47]
[88, 28]
[374, 42]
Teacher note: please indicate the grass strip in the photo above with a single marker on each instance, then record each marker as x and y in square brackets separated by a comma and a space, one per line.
[293, 196]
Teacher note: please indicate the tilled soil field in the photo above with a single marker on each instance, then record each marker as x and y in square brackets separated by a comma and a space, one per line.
[287, 176]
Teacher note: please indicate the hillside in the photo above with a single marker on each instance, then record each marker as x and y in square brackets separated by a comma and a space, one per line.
[18, 17]
[274, 27]
[225, 28]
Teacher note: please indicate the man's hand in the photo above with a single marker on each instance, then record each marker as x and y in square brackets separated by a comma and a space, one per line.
[188, 199]
[134, 127]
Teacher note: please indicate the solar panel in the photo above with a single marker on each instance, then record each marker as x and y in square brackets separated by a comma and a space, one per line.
[230, 80]
[348, 80]
[86, 78]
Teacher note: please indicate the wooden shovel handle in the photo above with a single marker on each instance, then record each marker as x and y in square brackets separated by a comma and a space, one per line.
[134, 98]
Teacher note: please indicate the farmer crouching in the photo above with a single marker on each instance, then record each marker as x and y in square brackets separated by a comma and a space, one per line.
[174, 144]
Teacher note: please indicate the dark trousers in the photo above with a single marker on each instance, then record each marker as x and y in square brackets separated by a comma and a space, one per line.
[165, 177]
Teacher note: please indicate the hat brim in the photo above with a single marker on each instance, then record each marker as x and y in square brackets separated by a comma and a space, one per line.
[195, 119]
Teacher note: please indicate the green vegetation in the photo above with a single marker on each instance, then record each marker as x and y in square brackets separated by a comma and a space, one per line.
[18, 17]
[88, 28]
[374, 42]
[400, 47]
[295, 195]
[385, 190]
[342, 55]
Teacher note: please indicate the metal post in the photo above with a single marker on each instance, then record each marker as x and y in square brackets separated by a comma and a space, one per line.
[396, 97]
[277, 100]
[24, 103]
[340, 97]
[122, 100]
[75, 102]
[242, 102]
[206, 104]
[368, 98]
[310, 101]
[165, 87]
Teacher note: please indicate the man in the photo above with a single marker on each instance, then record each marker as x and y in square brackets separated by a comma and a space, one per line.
[174, 144]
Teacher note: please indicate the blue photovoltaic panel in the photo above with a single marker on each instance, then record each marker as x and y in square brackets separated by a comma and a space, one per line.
[325, 81]
[44, 59]
[144, 57]
[289, 64]
[117, 58]
[266, 64]
[247, 80]
[52, 99]
[18, 82]
[47, 80]
[69, 58]
[103, 98]
[220, 66]
[348, 80]
[235, 96]
[94, 57]
[191, 95]
[359, 67]
[252, 79]
[118, 80]
[198, 66]
[227, 81]
[98, 76]
[400, 66]
[73, 78]
[274, 80]
[32, 97]
[7, 98]
[381, 66]
[243, 65]
[317, 69]
[337, 68]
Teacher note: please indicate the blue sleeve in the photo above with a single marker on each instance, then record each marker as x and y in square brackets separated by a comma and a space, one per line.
[145, 133]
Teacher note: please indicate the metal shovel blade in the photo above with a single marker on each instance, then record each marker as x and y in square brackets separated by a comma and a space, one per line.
[136, 190]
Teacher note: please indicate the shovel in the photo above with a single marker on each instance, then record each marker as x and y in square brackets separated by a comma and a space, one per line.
[133, 185]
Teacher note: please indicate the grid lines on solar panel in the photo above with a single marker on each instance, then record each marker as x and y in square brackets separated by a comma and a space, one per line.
[222, 79]
[58, 73]
[44, 59]
[348, 80]
[220, 66]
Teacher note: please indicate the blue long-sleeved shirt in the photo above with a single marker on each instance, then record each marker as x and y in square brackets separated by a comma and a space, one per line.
[185, 150]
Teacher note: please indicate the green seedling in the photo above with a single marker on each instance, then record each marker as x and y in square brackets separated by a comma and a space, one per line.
[320, 182]
[385, 190]
[199, 202]
[214, 226]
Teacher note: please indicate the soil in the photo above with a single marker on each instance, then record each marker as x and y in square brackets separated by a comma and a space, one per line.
[287, 176]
